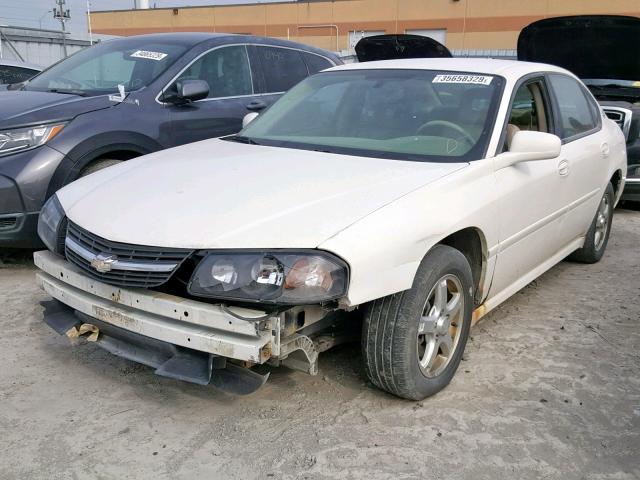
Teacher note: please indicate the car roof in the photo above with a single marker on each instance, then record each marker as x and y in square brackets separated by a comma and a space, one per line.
[505, 68]
[17, 63]
[191, 39]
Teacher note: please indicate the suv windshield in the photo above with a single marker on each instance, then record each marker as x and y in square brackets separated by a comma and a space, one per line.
[132, 63]
[420, 115]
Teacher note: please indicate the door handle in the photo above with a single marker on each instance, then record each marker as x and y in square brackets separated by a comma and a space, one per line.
[563, 167]
[256, 105]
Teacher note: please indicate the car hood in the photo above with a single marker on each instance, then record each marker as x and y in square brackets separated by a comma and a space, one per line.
[395, 47]
[590, 46]
[221, 194]
[21, 107]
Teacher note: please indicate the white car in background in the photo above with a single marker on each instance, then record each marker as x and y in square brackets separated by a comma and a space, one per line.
[412, 195]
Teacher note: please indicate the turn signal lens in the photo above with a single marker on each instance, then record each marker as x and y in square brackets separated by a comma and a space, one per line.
[309, 273]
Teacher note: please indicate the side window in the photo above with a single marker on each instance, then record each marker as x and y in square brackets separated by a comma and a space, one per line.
[575, 115]
[316, 63]
[528, 111]
[226, 70]
[10, 74]
[283, 68]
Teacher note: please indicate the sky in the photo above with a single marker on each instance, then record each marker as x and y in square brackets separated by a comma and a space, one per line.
[37, 13]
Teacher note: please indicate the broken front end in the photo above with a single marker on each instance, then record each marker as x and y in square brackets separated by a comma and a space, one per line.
[206, 317]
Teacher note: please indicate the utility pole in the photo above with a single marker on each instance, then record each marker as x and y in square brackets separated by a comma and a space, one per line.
[64, 15]
[89, 22]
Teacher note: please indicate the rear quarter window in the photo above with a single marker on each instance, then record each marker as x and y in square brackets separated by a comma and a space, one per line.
[316, 63]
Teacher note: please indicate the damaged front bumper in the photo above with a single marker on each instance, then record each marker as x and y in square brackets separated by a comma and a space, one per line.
[181, 338]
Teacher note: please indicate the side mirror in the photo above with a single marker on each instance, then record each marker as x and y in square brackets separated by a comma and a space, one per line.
[248, 118]
[191, 90]
[528, 146]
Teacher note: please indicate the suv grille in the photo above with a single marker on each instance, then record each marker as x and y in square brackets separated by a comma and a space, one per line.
[621, 116]
[135, 266]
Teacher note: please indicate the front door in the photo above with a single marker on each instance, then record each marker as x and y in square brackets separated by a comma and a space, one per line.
[227, 70]
[530, 204]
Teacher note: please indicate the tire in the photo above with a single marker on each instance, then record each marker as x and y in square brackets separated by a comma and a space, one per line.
[390, 337]
[98, 165]
[597, 237]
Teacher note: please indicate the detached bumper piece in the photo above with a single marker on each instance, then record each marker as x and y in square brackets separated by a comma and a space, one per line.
[168, 360]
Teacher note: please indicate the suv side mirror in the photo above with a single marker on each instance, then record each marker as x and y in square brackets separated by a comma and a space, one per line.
[248, 118]
[528, 146]
[190, 91]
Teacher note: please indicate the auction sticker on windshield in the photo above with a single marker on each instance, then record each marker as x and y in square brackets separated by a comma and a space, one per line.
[149, 55]
[474, 79]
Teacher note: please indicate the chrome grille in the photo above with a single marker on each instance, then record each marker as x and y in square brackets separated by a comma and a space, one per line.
[134, 265]
[621, 116]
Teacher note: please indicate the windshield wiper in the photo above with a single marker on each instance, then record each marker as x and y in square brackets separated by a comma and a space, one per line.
[69, 91]
[242, 139]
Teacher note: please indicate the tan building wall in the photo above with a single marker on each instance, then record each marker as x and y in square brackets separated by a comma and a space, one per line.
[469, 24]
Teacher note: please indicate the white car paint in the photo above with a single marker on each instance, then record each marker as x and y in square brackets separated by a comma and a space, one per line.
[219, 194]
[380, 216]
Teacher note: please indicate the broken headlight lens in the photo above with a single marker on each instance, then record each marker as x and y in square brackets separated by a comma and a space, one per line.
[50, 223]
[279, 277]
[12, 141]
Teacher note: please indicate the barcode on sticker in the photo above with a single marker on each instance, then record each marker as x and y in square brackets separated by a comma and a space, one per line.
[474, 79]
[149, 55]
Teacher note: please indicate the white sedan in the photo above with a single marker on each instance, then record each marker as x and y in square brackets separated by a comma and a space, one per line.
[399, 201]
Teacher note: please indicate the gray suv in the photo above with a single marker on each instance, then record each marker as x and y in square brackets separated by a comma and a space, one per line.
[129, 97]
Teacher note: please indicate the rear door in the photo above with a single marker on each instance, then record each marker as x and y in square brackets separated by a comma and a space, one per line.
[230, 76]
[583, 161]
[282, 68]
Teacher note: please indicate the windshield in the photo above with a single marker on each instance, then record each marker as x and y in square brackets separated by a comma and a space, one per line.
[98, 70]
[418, 115]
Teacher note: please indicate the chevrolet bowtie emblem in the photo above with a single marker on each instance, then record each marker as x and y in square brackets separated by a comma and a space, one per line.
[103, 263]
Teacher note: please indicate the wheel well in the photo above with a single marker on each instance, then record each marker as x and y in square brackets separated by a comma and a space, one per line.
[116, 155]
[615, 181]
[470, 243]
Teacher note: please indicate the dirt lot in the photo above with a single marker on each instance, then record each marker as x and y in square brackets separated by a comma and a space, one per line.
[550, 388]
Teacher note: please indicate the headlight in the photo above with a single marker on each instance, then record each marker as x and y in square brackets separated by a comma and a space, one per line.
[49, 225]
[20, 139]
[279, 277]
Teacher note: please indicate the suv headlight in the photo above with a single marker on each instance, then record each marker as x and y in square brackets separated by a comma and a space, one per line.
[50, 225]
[279, 277]
[17, 140]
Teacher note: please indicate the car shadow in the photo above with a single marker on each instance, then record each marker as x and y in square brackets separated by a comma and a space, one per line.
[16, 256]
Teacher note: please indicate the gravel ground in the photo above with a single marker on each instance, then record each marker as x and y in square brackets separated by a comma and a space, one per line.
[549, 389]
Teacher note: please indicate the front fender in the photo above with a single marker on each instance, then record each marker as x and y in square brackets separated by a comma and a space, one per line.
[95, 147]
[384, 249]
